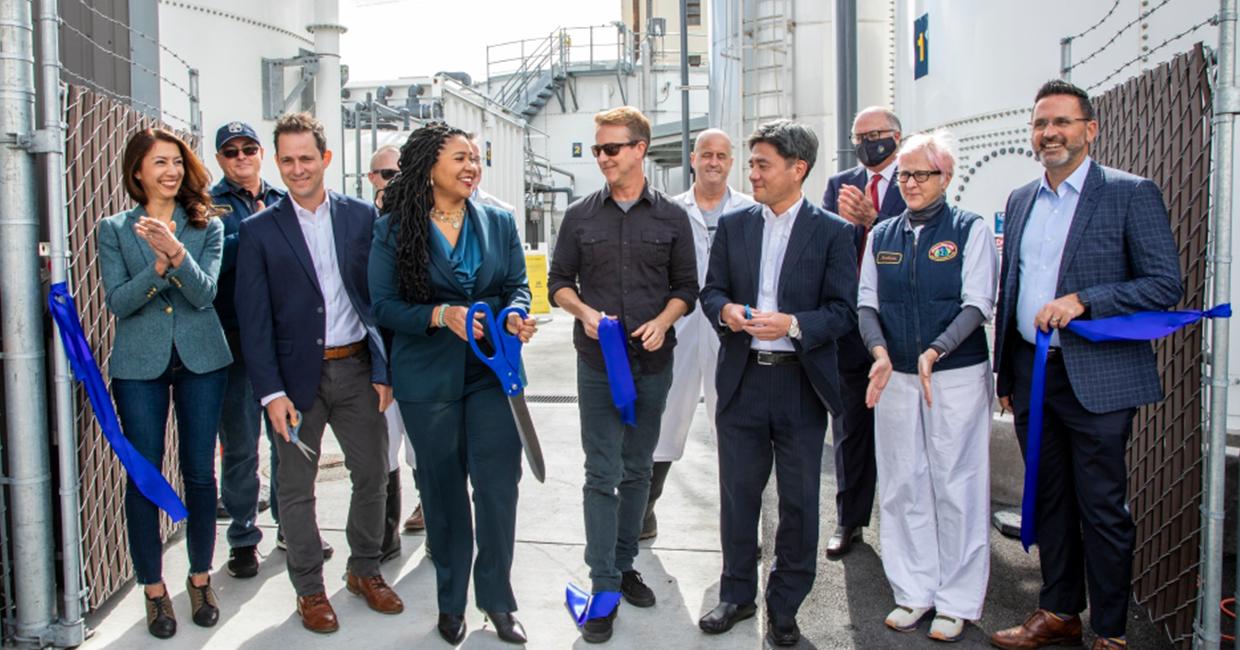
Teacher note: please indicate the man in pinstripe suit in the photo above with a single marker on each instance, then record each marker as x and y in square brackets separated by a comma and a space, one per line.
[1084, 241]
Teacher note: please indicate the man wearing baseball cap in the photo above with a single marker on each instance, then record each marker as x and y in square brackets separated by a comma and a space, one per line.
[241, 193]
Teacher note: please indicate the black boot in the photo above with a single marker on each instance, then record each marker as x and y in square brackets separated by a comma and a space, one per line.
[650, 524]
[391, 519]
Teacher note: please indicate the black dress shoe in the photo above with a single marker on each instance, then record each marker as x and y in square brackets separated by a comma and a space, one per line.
[782, 629]
[507, 626]
[598, 630]
[724, 616]
[243, 562]
[841, 542]
[451, 627]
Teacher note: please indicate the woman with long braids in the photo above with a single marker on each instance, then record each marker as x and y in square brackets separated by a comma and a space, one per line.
[435, 253]
[160, 262]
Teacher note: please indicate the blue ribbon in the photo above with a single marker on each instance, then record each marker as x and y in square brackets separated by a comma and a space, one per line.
[584, 606]
[146, 476]
[619, 374]
[1141, 326]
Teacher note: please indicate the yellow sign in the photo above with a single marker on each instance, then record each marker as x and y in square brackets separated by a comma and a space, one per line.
[536, 270]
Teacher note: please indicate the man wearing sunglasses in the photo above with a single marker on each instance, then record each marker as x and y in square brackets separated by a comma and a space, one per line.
[624, 252]
[241, 193]
[864, 195]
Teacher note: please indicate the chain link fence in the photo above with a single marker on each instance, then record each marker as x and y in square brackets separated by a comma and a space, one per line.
[1158, 125]
[98, 127]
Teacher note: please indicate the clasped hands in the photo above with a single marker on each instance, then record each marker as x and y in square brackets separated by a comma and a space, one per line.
[856, 207]
[653, 333]
[454, 319]
[160, 236]
[762, 325]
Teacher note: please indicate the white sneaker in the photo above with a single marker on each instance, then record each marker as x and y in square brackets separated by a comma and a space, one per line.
[946, 628]
[905, 619]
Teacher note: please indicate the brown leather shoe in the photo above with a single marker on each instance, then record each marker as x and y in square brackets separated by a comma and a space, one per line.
[1041, 629]
[1102, 643]
[416, 522]
[379, 596]
[317, 614]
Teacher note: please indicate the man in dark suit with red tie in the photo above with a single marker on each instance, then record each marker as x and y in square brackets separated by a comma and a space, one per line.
[863, 195]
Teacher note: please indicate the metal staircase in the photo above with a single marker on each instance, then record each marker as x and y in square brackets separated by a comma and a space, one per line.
[540, 76]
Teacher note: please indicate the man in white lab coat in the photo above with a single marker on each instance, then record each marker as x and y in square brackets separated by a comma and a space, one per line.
[697, 340]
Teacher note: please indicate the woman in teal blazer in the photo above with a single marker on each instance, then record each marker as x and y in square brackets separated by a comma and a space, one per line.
[434, 254]
[159, 263]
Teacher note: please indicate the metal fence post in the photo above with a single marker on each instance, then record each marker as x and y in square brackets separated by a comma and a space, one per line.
[195, 109]
[1065, 59]
[72, 629]
[21, 320]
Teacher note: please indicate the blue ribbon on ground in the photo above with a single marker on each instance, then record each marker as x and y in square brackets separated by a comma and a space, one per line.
[584, 606]
[1141, 326]
[146, 476]
[619, 374]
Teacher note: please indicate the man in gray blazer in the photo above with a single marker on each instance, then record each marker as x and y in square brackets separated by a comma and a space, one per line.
[1083, 241]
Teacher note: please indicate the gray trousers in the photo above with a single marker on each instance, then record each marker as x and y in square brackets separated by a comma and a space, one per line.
[347, 401]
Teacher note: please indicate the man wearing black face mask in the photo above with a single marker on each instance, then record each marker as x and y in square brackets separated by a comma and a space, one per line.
[863, 195]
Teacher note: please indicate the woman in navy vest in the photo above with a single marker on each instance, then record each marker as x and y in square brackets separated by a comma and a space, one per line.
[927, 286]
[159, 262]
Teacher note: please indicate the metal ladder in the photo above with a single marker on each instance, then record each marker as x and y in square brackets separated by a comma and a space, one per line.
[765, 52]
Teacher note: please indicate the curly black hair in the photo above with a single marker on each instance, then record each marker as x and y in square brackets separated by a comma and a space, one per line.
[409, 200]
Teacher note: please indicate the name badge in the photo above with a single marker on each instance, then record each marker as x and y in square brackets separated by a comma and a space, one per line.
[888, 257]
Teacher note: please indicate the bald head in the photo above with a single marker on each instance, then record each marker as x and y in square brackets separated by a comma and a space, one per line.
[712, 160]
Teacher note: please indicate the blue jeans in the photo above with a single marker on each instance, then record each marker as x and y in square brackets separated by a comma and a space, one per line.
[239, 429]
[142, 406]
[618, 468]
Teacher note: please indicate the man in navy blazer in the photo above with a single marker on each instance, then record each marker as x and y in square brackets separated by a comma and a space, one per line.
[315, 358]
[1083, 241]
[863, 195]
[782, 287]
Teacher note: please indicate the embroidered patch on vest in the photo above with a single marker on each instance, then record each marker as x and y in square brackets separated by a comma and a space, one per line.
[888, 257]
[943, 251]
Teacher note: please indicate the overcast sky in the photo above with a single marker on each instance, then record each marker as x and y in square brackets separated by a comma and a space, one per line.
[387, 39]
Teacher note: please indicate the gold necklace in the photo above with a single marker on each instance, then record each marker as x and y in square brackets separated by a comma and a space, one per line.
[453, 220]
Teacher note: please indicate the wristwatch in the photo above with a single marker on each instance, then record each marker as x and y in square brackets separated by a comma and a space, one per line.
[794, 330]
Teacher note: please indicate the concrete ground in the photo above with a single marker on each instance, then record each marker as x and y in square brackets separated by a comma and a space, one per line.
[845, 609]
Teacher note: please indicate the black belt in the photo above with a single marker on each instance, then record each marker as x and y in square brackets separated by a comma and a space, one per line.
[1052, 354]
[768, 358]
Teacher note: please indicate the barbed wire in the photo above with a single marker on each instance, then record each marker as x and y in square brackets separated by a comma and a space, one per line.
[1212, 20]
[154, 110]
[103, 48]
[1097, 24]
[1145, 14]
[131, 30]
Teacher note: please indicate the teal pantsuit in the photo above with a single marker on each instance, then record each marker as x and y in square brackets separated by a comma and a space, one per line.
[456, 415]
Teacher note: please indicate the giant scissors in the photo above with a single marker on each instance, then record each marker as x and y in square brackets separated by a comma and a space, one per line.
[506, 363]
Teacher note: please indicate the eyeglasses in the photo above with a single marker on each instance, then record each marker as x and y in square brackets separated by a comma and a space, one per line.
[233, 152]
[870, 136]
[386, 174]
[611, 148]
[1040, 124]
[921, 175]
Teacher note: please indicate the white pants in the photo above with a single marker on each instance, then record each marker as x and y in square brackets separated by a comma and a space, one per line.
[693, 375]
[934, 482]
[397, 437]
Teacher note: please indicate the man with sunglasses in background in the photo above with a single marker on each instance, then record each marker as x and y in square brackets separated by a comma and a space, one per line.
[624, 252]
[384, 165]
[241, 193]
[863, 195]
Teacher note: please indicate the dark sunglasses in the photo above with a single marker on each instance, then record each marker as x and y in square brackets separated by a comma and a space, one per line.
[611, 148]
[386, 174]
[232, 152]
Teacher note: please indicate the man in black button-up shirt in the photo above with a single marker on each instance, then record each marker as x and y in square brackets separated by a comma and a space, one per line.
[625, 251]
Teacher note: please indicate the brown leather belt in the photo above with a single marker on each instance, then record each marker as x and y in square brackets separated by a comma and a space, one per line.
[344, 351]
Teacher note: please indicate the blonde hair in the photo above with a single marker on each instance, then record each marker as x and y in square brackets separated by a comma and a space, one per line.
[628, 117]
